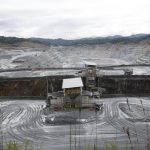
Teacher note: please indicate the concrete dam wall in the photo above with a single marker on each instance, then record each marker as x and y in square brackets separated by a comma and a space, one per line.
[38, 87]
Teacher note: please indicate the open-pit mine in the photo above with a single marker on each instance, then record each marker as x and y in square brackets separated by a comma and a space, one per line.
[76, 97]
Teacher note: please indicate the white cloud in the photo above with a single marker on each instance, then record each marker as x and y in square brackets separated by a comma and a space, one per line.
[73, 18]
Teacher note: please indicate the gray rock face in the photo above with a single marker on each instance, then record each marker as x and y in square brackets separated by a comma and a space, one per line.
[76, 55]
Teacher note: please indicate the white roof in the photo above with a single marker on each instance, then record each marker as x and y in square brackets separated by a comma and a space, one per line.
[72, 83]
[90, 63]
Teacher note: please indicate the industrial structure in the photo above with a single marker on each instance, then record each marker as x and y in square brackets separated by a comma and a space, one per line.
[90, 74]
[72, 97]
[72, 88]
[128, 72]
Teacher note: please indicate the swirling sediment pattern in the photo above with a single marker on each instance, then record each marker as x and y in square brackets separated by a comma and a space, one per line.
[25, 119]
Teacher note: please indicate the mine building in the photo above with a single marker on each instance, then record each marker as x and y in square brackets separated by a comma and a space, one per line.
[90, 75]
[72, 88]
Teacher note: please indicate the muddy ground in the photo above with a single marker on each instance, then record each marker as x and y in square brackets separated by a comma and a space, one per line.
[26, 119]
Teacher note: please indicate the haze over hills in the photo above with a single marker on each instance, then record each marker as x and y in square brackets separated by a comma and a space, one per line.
[41, 53]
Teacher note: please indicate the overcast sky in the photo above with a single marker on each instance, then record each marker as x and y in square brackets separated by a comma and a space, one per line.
[71, 19]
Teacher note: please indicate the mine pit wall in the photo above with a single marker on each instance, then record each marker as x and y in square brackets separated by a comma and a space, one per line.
[30, 88]
[37, 87]
[22, 88]
[125, 85]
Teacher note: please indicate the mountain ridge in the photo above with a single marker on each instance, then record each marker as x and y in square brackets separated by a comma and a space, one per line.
[64, 42]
